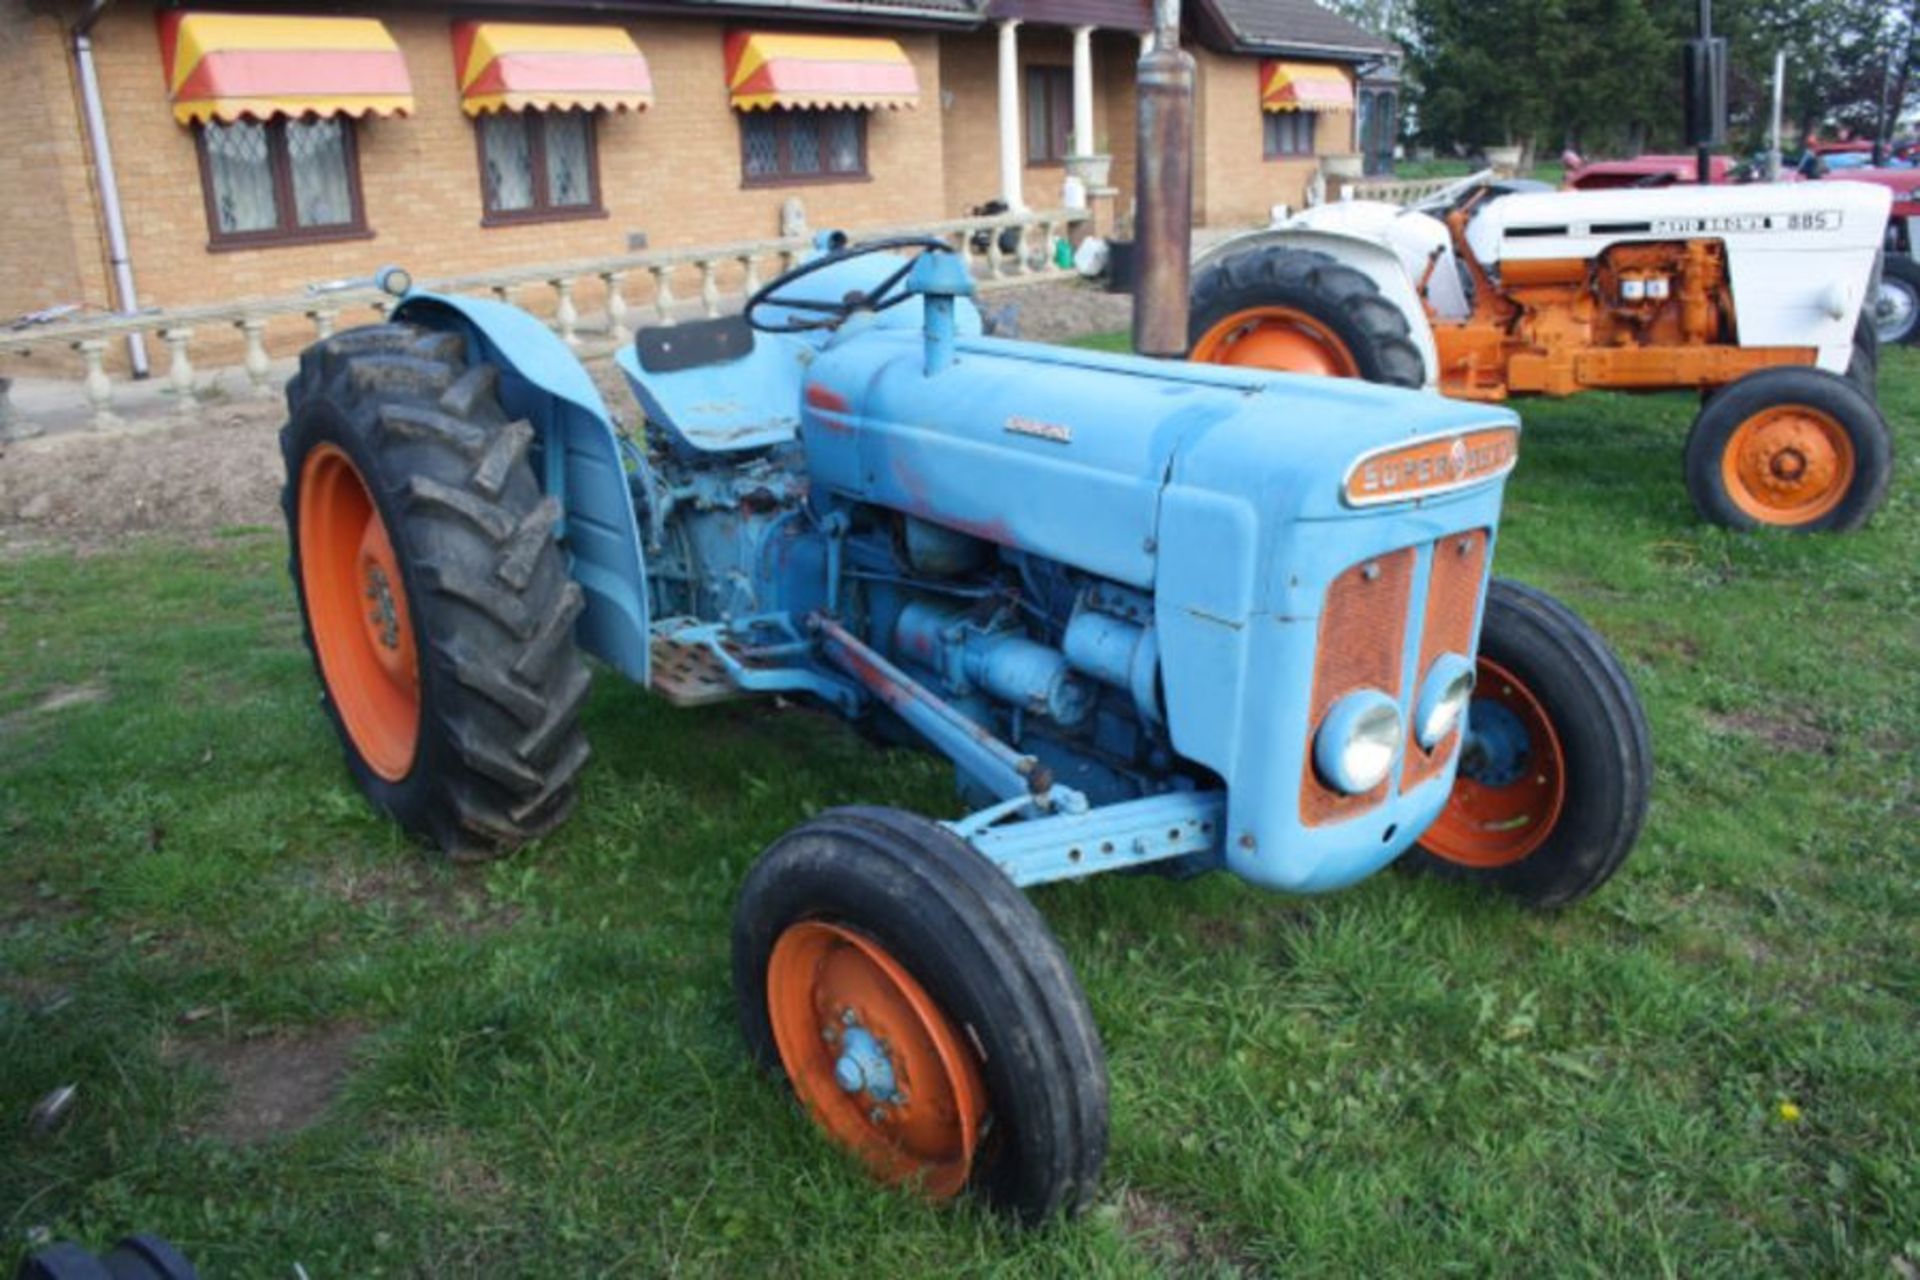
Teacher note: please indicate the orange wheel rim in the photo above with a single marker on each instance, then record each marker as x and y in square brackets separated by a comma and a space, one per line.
[876, 1062]
[1279, 338]
[1495, 821]
[1788, 465]
[357, 608]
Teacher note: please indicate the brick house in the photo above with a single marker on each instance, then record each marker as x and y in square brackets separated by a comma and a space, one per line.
[260, 147]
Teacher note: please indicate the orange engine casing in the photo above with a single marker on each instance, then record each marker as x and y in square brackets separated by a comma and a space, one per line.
[1637, 317]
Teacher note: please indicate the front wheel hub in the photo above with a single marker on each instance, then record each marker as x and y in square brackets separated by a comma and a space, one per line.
[1512, 780]
[875, 1060]
[864, 1067]
[1788, 465]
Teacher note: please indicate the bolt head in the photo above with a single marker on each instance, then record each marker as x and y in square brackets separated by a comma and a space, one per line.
[829, 1033]
[878, 1115]
[849, 1017]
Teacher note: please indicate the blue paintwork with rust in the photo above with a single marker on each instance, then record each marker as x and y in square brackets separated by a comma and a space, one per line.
[940, 528]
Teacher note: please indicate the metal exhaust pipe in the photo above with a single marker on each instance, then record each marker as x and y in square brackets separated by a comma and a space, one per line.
[1163, 230]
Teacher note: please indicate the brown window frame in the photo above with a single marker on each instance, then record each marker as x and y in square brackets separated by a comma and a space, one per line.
[1052, 86]
[784, 177]
[289, 232]
[542, 210]
[1267, 149]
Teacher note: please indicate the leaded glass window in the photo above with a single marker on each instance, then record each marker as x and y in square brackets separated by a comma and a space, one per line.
[569, 159]
[317, 158]
[802, 146]
[506, 149]
[538, 164]
[844, 144]
[280, 180]
[241, 171]
[760, 145]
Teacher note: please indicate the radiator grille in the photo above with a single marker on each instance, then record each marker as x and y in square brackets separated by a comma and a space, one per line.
[1453, 597]
[1362, 643]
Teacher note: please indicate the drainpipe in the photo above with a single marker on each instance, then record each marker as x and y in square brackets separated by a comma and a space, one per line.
[109, 187]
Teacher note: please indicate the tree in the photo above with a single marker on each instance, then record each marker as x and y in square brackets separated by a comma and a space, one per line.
[1604, 75]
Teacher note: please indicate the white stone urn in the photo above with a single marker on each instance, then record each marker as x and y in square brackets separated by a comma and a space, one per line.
[1344, 166]
[1092, 170]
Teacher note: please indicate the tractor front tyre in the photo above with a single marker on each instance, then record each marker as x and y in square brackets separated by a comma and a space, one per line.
[1300, 311]
[1896, 310]
[1789, 448]
[435, 601]
[922, 1012]
[1555, 766]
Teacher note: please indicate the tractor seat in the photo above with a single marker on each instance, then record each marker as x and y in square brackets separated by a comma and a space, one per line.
[671, 348]
[713, 388]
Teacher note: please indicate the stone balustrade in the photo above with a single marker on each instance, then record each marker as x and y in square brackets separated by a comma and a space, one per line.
[1404, 191]
[657, 287]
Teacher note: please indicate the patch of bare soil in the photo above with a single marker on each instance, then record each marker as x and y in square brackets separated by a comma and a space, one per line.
[1177, 1240]
[275, 1084]
[86, 489]
[1056, 311]
[1789, 733]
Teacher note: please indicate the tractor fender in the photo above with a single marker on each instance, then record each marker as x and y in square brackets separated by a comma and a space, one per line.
[580, 462]
[1377, 262]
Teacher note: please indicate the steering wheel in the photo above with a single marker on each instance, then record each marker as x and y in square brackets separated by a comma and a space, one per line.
[887, 293]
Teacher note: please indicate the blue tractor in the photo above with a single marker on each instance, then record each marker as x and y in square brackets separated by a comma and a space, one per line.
[1158, 615]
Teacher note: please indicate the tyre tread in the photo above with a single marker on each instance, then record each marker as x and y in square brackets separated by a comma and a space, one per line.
[494, 606]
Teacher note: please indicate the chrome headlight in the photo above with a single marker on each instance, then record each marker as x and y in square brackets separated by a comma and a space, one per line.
[1358, 742]
[1443, 699]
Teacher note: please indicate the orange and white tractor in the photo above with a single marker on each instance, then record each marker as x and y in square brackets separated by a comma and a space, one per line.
[1752, 295]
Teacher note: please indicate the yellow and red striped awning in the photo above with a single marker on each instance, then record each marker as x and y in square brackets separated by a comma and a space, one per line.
[226, 66]
[776, 69]
[1304, 86]
[517, 66]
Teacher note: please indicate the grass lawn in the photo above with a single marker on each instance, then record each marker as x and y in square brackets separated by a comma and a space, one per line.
[297, 1038]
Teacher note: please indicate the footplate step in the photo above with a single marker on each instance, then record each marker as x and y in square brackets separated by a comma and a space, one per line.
[691, 675]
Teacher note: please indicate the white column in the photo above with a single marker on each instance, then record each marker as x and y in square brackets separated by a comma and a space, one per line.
[1083, 140]
[1010, 122]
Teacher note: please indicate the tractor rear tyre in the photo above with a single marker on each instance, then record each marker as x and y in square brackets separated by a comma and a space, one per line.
[434, 597]
[1896, 311]
[1554, 772]
[1301, 311]
[922, 1012]
[1789, 448]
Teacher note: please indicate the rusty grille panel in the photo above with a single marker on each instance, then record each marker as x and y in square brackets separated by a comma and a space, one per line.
[1362, 643]
[1453, 597]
